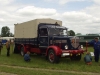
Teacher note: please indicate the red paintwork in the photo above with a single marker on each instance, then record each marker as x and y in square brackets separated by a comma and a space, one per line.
[35, 50]
[73, 51]
[28, 48]
[55, 48]
[59, 51]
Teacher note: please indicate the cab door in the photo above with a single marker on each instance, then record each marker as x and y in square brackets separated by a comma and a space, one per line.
[43, 37]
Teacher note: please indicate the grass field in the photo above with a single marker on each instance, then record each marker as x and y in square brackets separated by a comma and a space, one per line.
[39, 66]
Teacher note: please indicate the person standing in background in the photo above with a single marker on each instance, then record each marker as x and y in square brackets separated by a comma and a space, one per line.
[96, 45]
[8, 47]
[0, 46]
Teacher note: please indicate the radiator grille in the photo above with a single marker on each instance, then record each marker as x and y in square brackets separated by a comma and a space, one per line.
[75, 42]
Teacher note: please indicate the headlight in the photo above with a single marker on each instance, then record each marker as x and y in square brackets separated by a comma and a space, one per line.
[82, 46]
[66, 47]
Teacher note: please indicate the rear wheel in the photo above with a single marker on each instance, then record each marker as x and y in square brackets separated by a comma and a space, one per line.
[15, 49]
[22, 51]
[52, 57]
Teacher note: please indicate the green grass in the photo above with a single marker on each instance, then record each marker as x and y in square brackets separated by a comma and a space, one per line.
[33, 72]
[40, 62]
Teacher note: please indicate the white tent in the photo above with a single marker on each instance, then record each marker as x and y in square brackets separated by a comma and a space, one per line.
[6, 38]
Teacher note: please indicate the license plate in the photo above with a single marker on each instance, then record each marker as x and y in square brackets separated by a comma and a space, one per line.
[65, 54]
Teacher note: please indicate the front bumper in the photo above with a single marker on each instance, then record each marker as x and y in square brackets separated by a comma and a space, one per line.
[72, 52]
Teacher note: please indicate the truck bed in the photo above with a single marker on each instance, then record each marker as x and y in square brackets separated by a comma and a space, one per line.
[32, 41]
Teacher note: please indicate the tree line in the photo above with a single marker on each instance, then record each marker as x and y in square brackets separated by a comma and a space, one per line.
[5, 32]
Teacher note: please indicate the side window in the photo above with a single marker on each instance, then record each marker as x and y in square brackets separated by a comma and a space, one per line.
[43, 32]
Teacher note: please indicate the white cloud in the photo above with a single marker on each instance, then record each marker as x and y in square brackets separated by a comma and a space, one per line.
[62, 2]
[66, 1]
[1, 20]
[93, 10]
[47, 0]
[31, 10]
[80, 21]
[5, 2]
[23, 13]
[76, 16]
[84, 21]
[96, 1]
[3, 13]
[80, 17]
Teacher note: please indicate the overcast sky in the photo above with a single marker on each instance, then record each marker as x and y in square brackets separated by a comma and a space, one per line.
[81, 16]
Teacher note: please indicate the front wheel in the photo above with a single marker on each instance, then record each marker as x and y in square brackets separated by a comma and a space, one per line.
[52, 57]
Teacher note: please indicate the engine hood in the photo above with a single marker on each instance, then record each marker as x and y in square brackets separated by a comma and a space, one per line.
[71, 41]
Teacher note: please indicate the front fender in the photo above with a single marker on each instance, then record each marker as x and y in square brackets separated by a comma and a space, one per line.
[56, 49]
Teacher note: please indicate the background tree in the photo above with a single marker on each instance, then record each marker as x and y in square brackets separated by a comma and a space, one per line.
[11, 35]
[71, 33]
[5, 31]
[78, 34]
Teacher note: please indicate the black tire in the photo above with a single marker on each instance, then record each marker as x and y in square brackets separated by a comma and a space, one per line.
[22, 51]
[79, 57]
[76, 57]
[16, 49]
[52, 57]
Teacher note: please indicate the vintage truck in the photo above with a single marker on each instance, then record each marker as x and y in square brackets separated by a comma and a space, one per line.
[47, 37]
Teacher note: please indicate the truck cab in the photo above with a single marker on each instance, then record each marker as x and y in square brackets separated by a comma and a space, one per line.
[48, 32]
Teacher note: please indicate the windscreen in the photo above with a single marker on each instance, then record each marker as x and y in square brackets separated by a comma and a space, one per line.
[57, 30]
